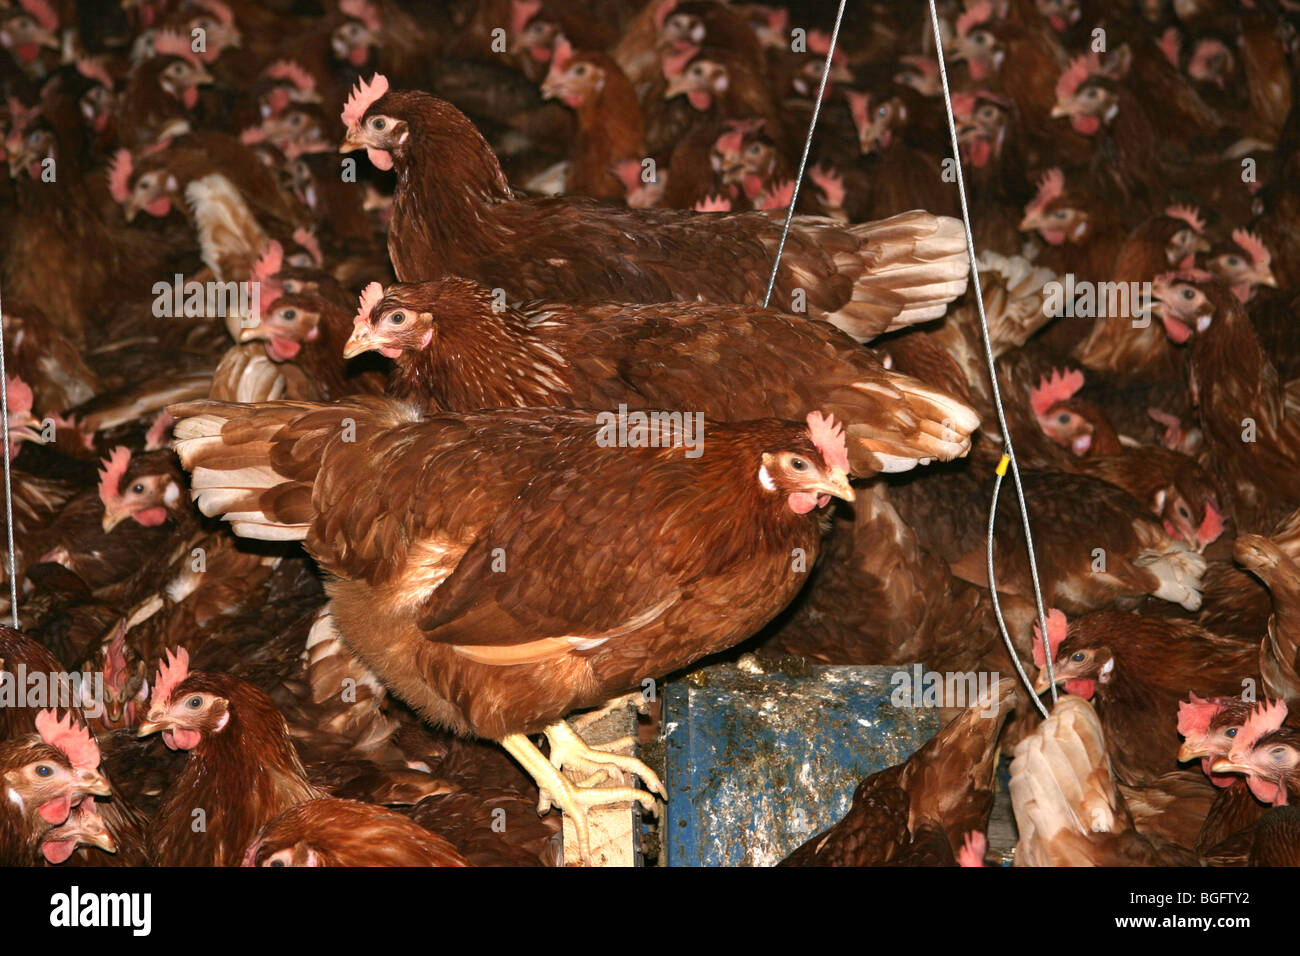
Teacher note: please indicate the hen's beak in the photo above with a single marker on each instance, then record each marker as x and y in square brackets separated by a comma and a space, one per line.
[1228, 765]
[111, 520]
[151, 726]
[352, 141]
[102, 839]
[837, 485]
[46, 38]
[203, 78]
[1029, 223]
[676, 87]
[359, 341]
[1059, 111]
[1266, 278]
[1041, 684]
[253, 333]
[1191, 751]
[92, 781]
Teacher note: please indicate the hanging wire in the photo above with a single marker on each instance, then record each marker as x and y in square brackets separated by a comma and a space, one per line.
[1008, 452]
[807, 146]
[9, 495]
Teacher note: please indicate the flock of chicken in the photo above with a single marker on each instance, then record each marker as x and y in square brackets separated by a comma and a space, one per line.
[338, 481]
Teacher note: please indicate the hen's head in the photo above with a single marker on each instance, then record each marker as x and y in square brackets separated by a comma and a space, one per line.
[401, 318]
[1080, 661]
[180, 69]
[745, 156]
[1190, 511]
[151, 188]
[1188, 302]
[186, 707]
[48, 773]
[286, 326]
[217, 21]
[1068, 422]
[809, 470]
[26, 28]
[1186, 235]
[1209, 727]
[1265, 751]
[698, 75]
[876, 121]
[23, 423]
[532, 32]
[1060, 14]
[1243, 266]
[358, 34]
[1054, 214]
[1211, 62]
[147, 489]
[576, 79]
[1091, 101]
[978, 41]
[982, 120]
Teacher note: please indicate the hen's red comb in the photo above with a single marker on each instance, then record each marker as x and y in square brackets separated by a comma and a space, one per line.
[156, 436]
[173, 670]
[1264, 719]
[828, 436]
[521, 11]
[1080, 68]
[563, 54]
[1188, 214]
[1254, 247]
[819, 42]
[115, 659]
[110, 476]
[267, 266]
[973, 849]
[1211, 525]
[963, 103]
[714, 203]
[675, 62]
[922, 64]
[119, 175]
[1058, 387]
[307, 239]
[1195, 714]
[977, 14]
[1056, 628]
[363, 96]
[171, 43]
[1169, 45]
[20, 394]
[831, 184]
[370, 297]
[43, 12]
[294, 72]
[72, 738]
[858, 106]
[662, 11]
[362, 10]
[1050, 186]
[93, 69]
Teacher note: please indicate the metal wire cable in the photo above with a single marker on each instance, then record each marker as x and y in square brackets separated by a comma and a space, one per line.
[807, 147]
[1008, 452]
[9, 495]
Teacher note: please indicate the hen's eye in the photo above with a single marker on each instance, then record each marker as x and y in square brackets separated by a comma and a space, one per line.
[289, 315]
[1060, 214]
[798, 464]
[580, 70]
[397, 318]
[44, 770]
[1078, 656]
[755, 149]
[1230, 732]
[378, 123]
[1183, 512]
[1063, 418]
[137, 488]
[1231, 260]
[194, 703]
[1188, 294]
[276, 863]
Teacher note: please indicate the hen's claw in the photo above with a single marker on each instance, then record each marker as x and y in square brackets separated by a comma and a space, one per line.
[571, 752]
[574, 799]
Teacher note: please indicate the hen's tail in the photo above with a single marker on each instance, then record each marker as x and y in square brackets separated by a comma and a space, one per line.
[1178, 571]
[906, 270]
[1062, 788]
[1279, 652]
[256, 464]
[910, 424]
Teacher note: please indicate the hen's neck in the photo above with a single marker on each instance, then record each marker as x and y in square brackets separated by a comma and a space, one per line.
[494, 361]
[441, 215]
